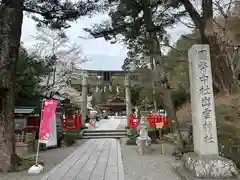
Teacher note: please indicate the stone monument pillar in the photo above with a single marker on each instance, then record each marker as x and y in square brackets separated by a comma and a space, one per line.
[204, 162]
[84, 98]
[128, 98]
[202, 101]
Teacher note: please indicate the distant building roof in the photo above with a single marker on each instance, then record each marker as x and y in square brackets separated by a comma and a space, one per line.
[116, 100]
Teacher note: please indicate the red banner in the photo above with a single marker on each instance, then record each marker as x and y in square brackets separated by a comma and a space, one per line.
[49, 109]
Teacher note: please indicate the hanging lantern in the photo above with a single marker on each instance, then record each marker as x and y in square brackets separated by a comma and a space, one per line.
[117, 89]
[110, 87]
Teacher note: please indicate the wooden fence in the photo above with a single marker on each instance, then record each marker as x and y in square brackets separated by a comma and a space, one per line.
[25, 142]
[23, 137]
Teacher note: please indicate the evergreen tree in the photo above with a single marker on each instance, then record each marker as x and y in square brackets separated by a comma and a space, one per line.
[29, 71]
[52, 13]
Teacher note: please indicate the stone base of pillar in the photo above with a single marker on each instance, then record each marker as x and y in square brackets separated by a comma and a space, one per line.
[144, 145]
[195, 167]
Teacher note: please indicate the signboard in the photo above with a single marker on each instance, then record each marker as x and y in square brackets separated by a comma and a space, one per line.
[52, 141]
[24, 110]
[159, 125]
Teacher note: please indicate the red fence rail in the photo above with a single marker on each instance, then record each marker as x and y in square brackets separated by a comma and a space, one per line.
[152, 120]
[73, 123]
[157, 119]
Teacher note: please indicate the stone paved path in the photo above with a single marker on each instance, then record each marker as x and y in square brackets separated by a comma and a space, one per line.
[109, 124]
[153, 166]
[51, 158]
[95, 160]
[101, 159]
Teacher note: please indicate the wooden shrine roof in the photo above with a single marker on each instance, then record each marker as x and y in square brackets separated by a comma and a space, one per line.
[116, 101]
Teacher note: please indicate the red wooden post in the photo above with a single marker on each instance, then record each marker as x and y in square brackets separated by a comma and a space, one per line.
[131, 121]
[77, 122]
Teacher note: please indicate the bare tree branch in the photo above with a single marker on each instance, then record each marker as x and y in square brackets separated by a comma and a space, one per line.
[175, 49]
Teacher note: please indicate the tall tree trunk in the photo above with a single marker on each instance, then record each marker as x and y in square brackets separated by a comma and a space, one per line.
[172, 117]
[11, 16]
[223, 76]
[155, 51]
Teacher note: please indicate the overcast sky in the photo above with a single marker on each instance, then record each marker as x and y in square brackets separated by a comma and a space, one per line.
[103, 55]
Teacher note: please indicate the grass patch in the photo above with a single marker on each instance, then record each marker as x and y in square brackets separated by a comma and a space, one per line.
[24, 163]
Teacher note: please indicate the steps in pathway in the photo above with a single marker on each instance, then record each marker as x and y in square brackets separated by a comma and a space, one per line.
[98, 134]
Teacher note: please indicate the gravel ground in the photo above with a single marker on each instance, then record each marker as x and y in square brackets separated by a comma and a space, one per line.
[148, 167]
[50, 157]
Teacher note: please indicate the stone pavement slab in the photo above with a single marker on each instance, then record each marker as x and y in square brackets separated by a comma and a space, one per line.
[95, 160]
[108, 124]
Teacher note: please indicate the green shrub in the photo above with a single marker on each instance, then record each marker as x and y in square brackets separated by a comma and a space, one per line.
[84, 127]
[127, 127]
[165, 130]
[228, 137]
[87, 119]
[133, 131]
[153, 134]
[131, 140]
[69, 140]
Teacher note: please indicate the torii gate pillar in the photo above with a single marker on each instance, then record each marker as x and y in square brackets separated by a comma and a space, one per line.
[84, 99]
[128, 98]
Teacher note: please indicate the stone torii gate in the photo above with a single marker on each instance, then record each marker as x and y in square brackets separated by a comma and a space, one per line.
[95, 78]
